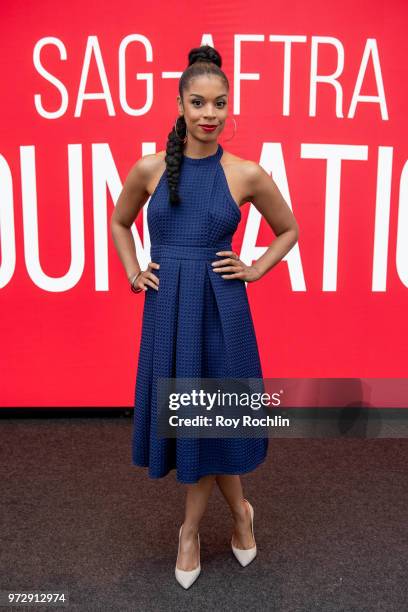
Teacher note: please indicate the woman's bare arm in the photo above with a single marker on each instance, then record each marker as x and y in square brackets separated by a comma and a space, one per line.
[268, 200]
[131, 200]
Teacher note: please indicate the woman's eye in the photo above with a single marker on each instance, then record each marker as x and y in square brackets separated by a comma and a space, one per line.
[222, 102]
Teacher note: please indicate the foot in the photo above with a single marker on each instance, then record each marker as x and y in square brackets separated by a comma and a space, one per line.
[188, 555]
[242, 534]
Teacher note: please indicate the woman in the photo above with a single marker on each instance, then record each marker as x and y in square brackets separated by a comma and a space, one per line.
[196, 319]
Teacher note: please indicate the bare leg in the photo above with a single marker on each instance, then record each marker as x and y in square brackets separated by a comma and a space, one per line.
[196, 503]
[231, 488]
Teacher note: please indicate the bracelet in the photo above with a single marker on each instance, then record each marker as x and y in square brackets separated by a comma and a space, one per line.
[134, 277]
[132, 287]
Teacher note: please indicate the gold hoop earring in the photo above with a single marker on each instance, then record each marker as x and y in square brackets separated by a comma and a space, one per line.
[235, 129]
[183, 140]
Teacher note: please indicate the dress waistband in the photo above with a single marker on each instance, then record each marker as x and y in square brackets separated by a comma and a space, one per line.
[183, 251]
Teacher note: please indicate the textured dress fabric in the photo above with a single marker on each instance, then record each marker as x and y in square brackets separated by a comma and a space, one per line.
[197, 324]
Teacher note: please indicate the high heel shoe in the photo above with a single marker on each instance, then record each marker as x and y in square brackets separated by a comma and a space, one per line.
[187, 577]
[246, 555]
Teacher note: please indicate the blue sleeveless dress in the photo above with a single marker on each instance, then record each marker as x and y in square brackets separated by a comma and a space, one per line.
[197, 324]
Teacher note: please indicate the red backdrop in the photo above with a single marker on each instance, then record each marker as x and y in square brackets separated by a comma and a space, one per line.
[319, 97]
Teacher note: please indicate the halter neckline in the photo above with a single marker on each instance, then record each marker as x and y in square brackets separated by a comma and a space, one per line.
[204, 160]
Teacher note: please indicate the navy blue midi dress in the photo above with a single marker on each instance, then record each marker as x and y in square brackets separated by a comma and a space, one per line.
[197, 324]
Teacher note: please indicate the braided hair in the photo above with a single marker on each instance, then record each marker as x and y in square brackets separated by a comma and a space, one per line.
[201, 61]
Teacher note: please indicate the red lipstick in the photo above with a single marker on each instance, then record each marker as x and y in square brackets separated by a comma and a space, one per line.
[207, 128]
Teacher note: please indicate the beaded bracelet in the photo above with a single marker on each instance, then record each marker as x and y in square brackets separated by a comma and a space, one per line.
[132, 287]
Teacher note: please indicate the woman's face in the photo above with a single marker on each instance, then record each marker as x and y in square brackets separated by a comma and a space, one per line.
[205, 103]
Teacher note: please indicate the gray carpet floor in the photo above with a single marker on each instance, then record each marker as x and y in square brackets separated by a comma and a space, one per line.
[330, 524]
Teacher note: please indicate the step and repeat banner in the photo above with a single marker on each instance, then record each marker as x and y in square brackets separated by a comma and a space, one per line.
[320, 101]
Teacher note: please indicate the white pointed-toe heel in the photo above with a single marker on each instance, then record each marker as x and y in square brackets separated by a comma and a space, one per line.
[246, 555]
[187, 577]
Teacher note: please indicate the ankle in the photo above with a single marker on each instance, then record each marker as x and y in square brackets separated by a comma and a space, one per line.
[189, 530]
[239, 512]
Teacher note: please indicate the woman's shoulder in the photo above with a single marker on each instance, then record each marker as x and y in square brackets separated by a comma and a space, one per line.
[152, 161]
[237, 164]
[153, 165]
[241, 174]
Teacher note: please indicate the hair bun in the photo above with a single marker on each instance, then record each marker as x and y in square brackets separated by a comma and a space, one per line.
[205, 53]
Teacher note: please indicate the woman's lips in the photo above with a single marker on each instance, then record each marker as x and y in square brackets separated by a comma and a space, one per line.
[208, 128]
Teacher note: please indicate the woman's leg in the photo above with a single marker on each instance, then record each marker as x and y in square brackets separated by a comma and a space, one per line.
[231, 488]
[196, 503]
